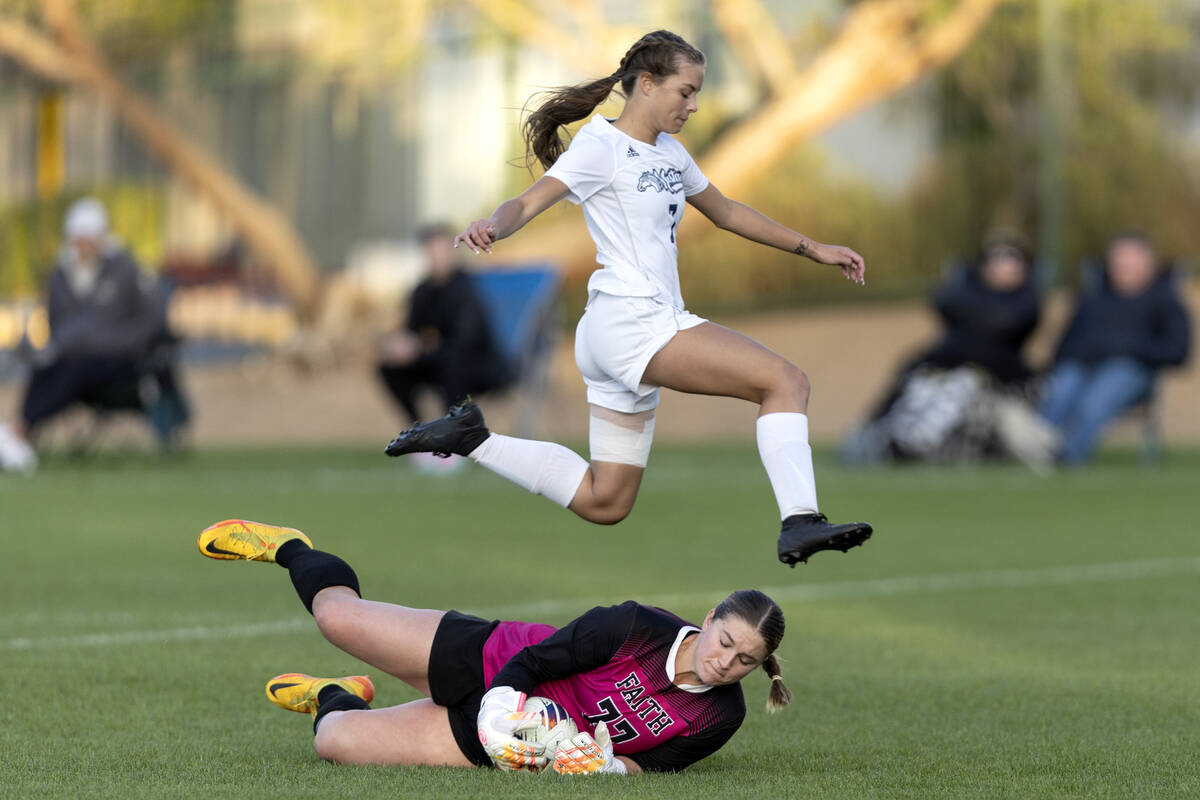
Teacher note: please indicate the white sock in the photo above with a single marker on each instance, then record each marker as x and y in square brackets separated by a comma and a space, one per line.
[544, 468]
[783, 448]
[15, 453]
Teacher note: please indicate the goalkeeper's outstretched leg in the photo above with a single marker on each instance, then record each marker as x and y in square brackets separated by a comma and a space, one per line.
[328, 588]
[395, 639]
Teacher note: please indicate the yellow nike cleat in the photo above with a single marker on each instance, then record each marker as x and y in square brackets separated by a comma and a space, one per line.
[242, 539]
[298, 692]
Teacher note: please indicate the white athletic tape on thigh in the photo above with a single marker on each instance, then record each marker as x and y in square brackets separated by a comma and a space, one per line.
[621, 438]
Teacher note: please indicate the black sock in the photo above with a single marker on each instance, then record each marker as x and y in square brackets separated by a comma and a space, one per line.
[335, 698]
[314, 570]
[290, 549]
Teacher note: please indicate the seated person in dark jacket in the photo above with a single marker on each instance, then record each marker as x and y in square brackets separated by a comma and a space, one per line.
[962, 398]
[989, 312]
[1125, 329]
[447, 343]
[102, 319]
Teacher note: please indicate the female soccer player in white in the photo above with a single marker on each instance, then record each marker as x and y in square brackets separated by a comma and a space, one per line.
[648, 691]
[632, 178]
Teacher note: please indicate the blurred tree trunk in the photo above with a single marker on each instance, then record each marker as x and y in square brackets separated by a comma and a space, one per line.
[590, 53]
[35, 53]
[758, 43]
[267, 232]
[885, 46]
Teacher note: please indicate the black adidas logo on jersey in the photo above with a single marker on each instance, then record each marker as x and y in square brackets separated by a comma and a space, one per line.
[631, 153]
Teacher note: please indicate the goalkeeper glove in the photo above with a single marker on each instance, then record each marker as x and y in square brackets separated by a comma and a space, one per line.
[583, 754]
[500, 716]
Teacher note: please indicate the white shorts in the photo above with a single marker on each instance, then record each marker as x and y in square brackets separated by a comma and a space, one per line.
[615, 340]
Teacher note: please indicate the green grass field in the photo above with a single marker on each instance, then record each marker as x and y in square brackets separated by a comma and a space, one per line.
[1003, 635]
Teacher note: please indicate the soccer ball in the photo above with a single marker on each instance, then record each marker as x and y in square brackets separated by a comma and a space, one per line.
[556, 725]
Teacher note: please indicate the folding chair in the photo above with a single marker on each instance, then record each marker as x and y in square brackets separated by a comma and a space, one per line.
[523, 314]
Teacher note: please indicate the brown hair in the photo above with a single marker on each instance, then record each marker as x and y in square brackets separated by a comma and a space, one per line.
[657, 53]
[1130, 235]
[434, 230]
[765, 616]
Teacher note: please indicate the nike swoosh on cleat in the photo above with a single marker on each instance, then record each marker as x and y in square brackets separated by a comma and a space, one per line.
[275, 687]
[211, 547]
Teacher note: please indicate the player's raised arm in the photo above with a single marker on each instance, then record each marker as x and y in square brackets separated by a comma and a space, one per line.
[511, 215]
[751, 224]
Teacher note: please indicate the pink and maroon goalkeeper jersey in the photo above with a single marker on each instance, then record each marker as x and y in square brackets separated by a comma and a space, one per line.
[611, 665]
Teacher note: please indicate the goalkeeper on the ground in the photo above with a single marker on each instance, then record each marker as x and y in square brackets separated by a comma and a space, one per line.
[647, 690]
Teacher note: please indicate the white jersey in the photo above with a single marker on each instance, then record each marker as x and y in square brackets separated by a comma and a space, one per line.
[633, 196]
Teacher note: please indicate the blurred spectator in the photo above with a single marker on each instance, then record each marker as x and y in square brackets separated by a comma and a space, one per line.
[103, 318]
[965, 396]
[989, 312]
[447, 342]
[1128, 325]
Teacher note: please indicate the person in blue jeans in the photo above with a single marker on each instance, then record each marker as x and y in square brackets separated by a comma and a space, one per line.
[1125, 329]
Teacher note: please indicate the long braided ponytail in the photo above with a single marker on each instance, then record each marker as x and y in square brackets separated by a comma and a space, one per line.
[657, 53]
[765, 616]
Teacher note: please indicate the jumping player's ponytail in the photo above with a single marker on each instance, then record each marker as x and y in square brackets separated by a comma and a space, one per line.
[765, 616]
[657, 53]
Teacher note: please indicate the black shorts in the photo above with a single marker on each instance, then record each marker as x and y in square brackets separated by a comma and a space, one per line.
[456, 678]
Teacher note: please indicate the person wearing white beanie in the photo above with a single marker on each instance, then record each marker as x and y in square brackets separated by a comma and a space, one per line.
[86, 219]
[102, 317]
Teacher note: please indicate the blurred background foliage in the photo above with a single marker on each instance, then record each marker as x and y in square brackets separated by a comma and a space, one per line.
[1131, 72]
[133, 32]
[1126, 152]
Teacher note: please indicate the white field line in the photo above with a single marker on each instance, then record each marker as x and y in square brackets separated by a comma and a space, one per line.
[914, 584]
[194, 633]
[393, 480]
[852, 590]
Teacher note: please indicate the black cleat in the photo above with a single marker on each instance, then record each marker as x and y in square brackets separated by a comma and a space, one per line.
[805, 534]
[457, 433]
